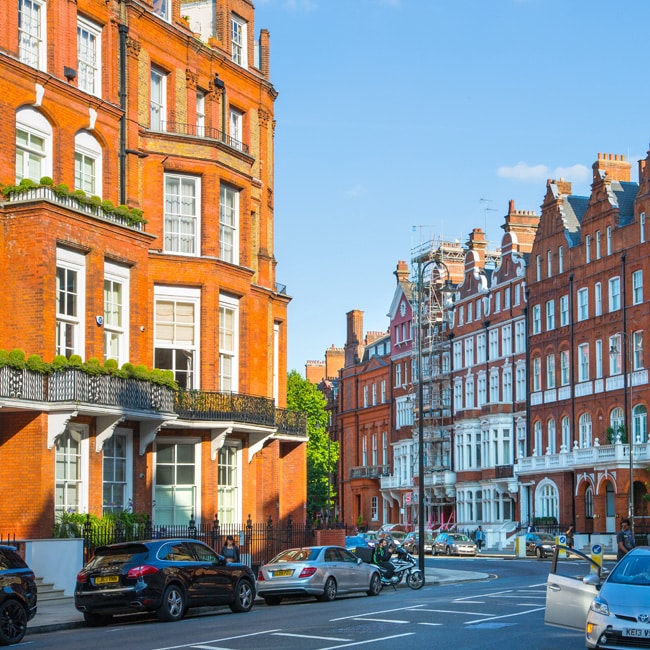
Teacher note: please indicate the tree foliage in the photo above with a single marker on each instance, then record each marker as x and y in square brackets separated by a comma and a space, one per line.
[322, 452]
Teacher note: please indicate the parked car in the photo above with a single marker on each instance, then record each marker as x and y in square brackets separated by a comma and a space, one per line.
[411, 542]
[612, 611]
[453, 544]
[320, 571]
[540, 544]
[18, 595]
[356, 541]
[165, 576]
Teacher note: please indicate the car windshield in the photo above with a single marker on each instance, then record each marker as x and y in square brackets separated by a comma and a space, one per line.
[544, 537]
[459, 538]
[632, 570]
[296, 555]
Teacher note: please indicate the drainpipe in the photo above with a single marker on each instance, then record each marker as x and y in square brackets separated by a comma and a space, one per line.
[123, 30]
[572, 363]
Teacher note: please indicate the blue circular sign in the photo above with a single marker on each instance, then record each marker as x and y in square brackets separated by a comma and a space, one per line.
[597, 549]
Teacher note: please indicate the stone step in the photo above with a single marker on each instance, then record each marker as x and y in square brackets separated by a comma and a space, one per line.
[47, 591]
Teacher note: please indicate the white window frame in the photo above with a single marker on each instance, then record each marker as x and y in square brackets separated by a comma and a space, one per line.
[560, 259]
[637, 287]
[112, 506]
[583, 304]
[565, 375]
[32, 33]
[550, 315]
[583, 362]
[564, 310]
[537, 319]
[157, 99]
[89, 56]
[537, 374]
[550, 371]
[88, 156]
[189, 347]
[161, 8]
[642, 227]
[608, 233]
[236, 135]
[81, 481]
[229, 216]
[598, 299]
[182, 214]
[588, 249]
[116, 316]
[599, 358]
[637, 350]
[191, 491]
[228, 343]
[239, 38]
[598, 245]
[35, 127]
[614, 294]
[200, 113]
[71, 262]
[615, 355]
[229, 490]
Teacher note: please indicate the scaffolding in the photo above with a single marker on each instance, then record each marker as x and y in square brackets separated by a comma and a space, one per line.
[432, 361]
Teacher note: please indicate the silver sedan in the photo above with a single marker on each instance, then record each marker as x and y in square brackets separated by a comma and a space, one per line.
[320, 571]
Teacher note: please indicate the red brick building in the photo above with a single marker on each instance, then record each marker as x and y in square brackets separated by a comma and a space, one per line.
[121, 104]
[588, 314]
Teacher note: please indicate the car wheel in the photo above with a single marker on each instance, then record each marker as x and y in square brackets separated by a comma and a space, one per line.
[539, 553]
[415, 580]
[96, 620]
[447, 551]
[243, 597]
[13, 622]
[329, 593]
[271, 601]
[375, 585]
[173, 604]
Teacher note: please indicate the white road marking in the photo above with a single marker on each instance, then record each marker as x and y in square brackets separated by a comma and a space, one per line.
[429, 623]
[379, 620]
[382, 611]
[227, 638]
[383, 638]
[494, 618]
[310, 636]
[455, 611]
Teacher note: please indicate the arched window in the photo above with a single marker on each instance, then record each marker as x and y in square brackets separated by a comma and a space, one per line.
[33, 145]
[547, 500]
[640, 423]
[617, 421]
[539, 450]
[585, 430]
[87, 164]
[566, 433]
[589, 502]
[550, 447]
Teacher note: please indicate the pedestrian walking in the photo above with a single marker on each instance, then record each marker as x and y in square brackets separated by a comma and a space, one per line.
[479, 538]
[624, 539]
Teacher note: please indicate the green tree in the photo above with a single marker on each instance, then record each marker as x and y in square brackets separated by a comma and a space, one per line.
[322, 452]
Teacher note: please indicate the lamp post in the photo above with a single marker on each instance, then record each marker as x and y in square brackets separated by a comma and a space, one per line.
[447, 288]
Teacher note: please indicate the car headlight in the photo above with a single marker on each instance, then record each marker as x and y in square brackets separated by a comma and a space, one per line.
[600, 606]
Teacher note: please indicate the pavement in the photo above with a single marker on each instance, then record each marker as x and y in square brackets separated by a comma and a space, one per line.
[60, 613]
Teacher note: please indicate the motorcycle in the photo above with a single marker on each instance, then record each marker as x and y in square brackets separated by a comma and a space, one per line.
[405, 569]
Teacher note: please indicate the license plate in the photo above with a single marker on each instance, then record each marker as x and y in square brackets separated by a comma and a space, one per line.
[106, 580]
[637, 632]
[282, 572]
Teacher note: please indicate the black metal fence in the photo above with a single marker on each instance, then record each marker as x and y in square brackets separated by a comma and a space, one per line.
[258, 542]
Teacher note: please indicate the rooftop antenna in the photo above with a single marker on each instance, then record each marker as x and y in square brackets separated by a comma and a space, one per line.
[486, 209]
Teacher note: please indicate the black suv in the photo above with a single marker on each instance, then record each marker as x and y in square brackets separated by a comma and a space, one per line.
[165, 576]
[17, 596]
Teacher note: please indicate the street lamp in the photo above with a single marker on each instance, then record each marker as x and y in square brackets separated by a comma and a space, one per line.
[447, 288]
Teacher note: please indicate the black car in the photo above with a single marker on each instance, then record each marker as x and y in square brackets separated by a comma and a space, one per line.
[17, 596]
[540, 544]
[165, 576]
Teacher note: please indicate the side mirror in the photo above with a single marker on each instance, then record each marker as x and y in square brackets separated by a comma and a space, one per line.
[359, 560]
[592, 579]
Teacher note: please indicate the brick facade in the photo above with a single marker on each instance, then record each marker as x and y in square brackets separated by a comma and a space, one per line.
[136, 157]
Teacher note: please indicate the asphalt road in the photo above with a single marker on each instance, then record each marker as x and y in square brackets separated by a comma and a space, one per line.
[504, 611]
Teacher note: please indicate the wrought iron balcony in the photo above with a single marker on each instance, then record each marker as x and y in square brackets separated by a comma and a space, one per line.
[369, 471]
[111, 392]
[198, 131]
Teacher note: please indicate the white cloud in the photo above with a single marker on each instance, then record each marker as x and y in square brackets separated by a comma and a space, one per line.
[356, 191]
[536, 173]
[524, 172]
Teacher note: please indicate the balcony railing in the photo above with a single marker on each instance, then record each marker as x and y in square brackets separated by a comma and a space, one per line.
[369, 471]
[133, 394]
[80, 387]
[198, 131]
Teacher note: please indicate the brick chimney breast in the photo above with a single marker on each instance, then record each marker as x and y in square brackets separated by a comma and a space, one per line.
[615, 167]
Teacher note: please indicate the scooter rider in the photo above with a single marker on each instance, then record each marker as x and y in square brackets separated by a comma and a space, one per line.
[381, 557]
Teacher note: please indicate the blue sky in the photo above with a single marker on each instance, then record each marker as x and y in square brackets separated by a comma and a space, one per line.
[403, 120]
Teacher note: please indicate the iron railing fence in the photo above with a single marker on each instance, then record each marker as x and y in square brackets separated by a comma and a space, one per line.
[258, 542]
